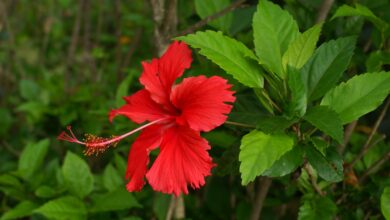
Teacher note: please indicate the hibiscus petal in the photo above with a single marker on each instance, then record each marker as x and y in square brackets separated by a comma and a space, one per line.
[159, 75]
[139, 108]
[183, 160]
[202, 102]
[138, 159]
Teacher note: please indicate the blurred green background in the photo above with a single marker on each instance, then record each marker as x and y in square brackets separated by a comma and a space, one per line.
[68, 62]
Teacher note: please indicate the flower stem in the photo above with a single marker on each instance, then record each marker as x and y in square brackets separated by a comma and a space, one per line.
[239, 124]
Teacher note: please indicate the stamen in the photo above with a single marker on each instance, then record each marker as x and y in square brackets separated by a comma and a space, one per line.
[95, 144]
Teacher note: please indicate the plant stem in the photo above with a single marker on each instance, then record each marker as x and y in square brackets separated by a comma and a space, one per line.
[324, 10]
[212, 17]
[264, 183]
[367, 145]
[239, 124]
[313, 180]
[374, 167]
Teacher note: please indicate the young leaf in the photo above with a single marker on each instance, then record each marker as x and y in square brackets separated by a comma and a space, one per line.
[273, 30]
[327, 120]
[32, 158]
[317, 207]
[119, 199]
[289, 162]
[206, 8]
[301, 49]
[361, 10]
[77, 175]
[66, 207]
[358, 96]
[385, 203]
[231, 55]
[297, 105]
[326, 66]
[330, 168]
[259, 151]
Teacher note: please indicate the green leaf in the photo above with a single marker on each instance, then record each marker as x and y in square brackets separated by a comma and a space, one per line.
[21, 210]
[298, 104]
[161, 205]
[6, 121]
[45, 192]
[288, 163]
[301, 49]
[326, 66]
[376, 60]
[259, 151]
[273, 124]
[63, 208]
[206, 8]
[273, 29]
[111, 178]
[123, 90]
[361, 10]
[358, 96]
[327, 120]
[329, 167]
[385, 202]
[29, 89]
[119, 199]
[32, 158]
[77, 175]
[317, 207]
[231, 55]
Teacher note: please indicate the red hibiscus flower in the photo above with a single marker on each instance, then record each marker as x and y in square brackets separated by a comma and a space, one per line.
[176, 115]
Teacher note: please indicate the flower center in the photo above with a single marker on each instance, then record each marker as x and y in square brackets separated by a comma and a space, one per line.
[95, 145]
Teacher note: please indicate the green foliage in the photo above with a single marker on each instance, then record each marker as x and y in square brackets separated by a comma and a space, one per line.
[328, 166]
[326, 66]
[69, 62]
[287, 163]
[385, 203]
[206, 8]
[317, 207]
[63, 208]
[361, 10]
[231, 55]
[327, 120]
[32, 158]
[273, 30]
[259, 151]
[118, 199]
[298, 103]
[302, 48]
[77, 175]
[21, 210]
[355, 98]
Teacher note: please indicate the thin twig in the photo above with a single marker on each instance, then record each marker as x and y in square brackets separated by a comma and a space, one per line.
[313, 180]
[367, 145]
[239, 124]
[374, 167]
[212, 17]
[171, 208]
[347, 136]
[10, 149]
[324, 10]
[133, 47]
[261, 193]
[73, 44]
